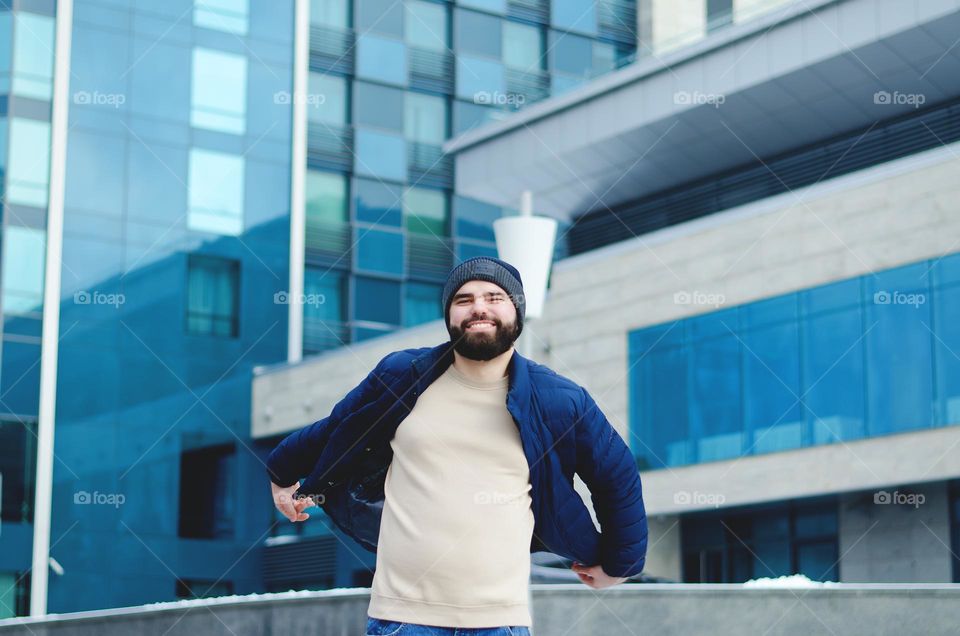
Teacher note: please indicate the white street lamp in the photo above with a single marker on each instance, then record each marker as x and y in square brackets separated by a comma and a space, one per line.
[526, 242]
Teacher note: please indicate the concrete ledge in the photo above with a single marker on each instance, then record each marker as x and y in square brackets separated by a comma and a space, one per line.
[561, 610]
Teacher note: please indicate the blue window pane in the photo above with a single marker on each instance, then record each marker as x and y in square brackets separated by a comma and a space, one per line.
[478, 34]
[379, 202]
[561, 83]
[659, 403]
[379, 251]
[898, 340]
[479, 81]
[224, 15]
[212, 284]
[6, 35]
[571, 54]
[377, 300]
[330, 13]
[380, 155]
[469, 250]
[947, 343]
[575, 15]
[32, 55]
[425, 118]
[380, 16]
[216, 192]
[28, 168]
[426, 25]
[523, 47]
[326, 200]
[381, 59]
[946, 271]
[834, 383]
[24, 250]
[843, 294]
[378, 106]
[771, 387]
[493, 6]
[328, 100]
[421, 303]
[219, 91]
[715, 404]
[770, 312]
[324, 309]
[475, 218]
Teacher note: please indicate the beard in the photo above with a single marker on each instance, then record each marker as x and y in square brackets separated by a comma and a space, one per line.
[483, 345]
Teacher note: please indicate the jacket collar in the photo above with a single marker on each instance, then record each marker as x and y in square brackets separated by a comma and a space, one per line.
[431, 364]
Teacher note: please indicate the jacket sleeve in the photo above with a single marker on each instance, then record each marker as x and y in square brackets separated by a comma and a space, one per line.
[294, 457]
[607, 467]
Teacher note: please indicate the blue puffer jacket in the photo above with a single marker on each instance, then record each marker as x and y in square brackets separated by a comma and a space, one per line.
[345, 457]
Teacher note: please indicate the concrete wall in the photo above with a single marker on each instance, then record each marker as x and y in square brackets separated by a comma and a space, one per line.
[561, 610]
[896, 538]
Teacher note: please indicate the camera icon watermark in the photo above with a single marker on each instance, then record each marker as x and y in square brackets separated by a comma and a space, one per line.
[285, 298]
[697, 498]
[497, 98]
[310, 99]
[896, 98]
[695, 297]
[96, 98]
[96, 498]
[699, 98]
[884, 498]
[85, 297]
[899, 298]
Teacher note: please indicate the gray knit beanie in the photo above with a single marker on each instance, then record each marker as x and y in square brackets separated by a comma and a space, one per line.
[492, 270]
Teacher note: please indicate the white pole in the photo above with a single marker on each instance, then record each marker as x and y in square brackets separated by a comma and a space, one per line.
[50, 334]
[298, 176]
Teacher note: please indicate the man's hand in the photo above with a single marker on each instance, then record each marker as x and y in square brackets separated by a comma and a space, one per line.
[595, 577]
[291, 507]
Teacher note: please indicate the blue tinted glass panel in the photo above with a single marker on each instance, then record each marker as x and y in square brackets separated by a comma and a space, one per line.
[28, 167]
[478, 34]
[219, 91]
[212, 296]
[379, 251]
[771, 387]
[330, 13]
[426, 25]
[377, 300]
[380, 16]
[523, 47]
[475, 218]
[327, 103]
[425, 118]
[479, 81]
[378, 106]
[32, 55]
[834, 383]
[575, 15]
[380, 155]
[947, 343]
[24, 250]
[224, 15]
[379, 202]
[382, 59]
[421, 303]
[659, 401]
[571, 54]
[216, 192]
[715, 404]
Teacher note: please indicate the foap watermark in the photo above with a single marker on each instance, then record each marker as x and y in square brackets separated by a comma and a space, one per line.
[883, 498]
[310, 99]
[96, 498]
[699, 98]
[495, 498]
[285, 298]
[85, 297]
[698, 298]
[899, 298]
[896, 98]
[96, 98]
[697, 498]
[496, 98]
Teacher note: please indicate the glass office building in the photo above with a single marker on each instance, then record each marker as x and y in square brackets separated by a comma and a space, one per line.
[174, 272]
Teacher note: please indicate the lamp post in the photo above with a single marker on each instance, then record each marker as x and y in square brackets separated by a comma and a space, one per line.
[526, 242]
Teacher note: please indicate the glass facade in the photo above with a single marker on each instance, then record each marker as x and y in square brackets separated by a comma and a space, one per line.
[736, 545]
[856, 358]
[176, 234]
[389, 83]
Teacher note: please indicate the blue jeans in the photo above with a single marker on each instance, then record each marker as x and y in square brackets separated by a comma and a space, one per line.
[380, 627]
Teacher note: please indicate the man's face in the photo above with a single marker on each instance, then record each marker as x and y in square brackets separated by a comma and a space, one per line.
[483, 320]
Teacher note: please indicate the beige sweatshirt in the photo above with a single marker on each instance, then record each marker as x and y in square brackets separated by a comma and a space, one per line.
[454, 546]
